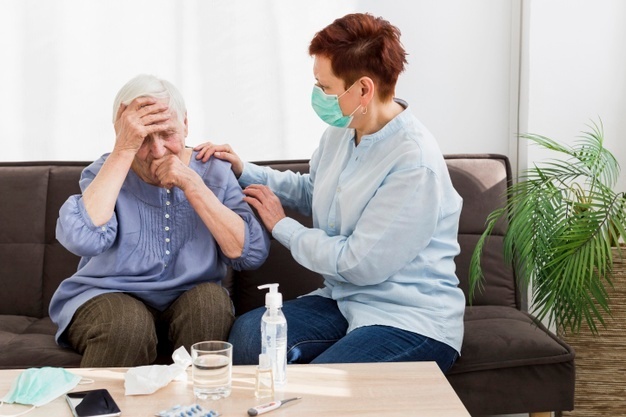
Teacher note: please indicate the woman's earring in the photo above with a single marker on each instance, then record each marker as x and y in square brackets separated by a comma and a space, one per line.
[364, 110]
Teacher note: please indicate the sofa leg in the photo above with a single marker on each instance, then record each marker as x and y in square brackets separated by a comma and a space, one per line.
[541, 414]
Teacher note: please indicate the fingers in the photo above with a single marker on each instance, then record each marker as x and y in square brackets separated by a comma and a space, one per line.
[205, 150]
[256, 204]
[156, 118]
[157, 168]
[150, 112]
[224, 152]
[263, 197]
[167, 171]
[120, 110]
[142, 104]
[208, 149]
[259, 191]
[266, 203]
[230, 157]
[138, 119]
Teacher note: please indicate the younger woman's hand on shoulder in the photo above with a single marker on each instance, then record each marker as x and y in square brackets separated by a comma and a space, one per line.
[224, 152]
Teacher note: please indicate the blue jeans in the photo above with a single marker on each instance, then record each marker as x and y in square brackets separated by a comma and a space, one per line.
[316, 333]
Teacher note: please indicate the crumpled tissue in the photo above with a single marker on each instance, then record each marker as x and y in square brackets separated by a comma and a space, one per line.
[143, 380]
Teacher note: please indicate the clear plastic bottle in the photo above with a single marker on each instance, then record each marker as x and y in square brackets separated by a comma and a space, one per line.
[264, 378]
[274, 333]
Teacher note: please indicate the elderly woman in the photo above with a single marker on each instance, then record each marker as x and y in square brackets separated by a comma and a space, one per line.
[156, 229]
[385, 216]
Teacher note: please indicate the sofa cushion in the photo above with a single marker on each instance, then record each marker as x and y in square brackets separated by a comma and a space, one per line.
[505, 350]
[497, 337]
[28, 342]
[21, 265]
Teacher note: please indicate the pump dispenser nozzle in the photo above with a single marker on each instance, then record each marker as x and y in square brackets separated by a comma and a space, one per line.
[273, 299]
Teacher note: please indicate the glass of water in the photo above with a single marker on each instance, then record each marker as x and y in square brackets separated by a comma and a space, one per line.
[212, 369]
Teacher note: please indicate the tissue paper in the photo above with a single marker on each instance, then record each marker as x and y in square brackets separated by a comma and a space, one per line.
[143, 380]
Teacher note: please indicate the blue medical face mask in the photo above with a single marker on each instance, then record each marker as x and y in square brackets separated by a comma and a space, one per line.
[327, 107]
[39, 386]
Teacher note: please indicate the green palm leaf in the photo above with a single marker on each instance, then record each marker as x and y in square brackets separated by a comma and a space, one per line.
[564, 217]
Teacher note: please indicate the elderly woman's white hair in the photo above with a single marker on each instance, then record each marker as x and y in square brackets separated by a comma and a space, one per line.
[145, 85]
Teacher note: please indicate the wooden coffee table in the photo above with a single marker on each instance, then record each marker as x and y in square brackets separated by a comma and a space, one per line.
[372, 389]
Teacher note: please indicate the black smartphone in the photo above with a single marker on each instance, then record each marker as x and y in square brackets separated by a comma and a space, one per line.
[92, 403]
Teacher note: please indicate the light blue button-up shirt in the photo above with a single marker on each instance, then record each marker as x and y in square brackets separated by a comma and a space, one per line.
[385, 223]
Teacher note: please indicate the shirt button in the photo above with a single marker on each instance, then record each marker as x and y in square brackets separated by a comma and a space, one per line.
[332, 225]
[103, 229]
[167, 216]
[167, 240]
[167, 203]
[167, 228]
[168, 191]
[167, 252]
[164, 265]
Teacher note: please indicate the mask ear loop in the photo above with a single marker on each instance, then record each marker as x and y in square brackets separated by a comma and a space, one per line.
[84, 381]
[2, 403]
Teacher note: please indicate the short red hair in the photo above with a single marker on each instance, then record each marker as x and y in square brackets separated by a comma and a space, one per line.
[360, 45]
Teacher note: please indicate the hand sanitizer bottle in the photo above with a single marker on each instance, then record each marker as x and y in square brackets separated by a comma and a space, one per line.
[274, 333]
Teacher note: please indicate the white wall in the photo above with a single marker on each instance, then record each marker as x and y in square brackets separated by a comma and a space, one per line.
[245, 72]
[243, 68]
[577, 72]
[458, 79]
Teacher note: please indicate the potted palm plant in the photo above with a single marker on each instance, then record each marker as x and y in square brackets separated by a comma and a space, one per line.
[564, 219]
[563, 239]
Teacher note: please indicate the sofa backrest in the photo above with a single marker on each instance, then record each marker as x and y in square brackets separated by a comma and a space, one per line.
[482, 180]
[33, 263]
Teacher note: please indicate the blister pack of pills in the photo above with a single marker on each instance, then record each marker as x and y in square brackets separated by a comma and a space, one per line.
[193, 410]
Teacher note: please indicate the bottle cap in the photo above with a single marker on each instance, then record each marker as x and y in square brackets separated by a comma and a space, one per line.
[273, 299]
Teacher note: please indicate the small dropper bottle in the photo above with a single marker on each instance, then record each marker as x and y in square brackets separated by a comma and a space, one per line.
[264, 377]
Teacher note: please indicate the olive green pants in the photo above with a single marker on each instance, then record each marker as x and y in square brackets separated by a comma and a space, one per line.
[117, 329]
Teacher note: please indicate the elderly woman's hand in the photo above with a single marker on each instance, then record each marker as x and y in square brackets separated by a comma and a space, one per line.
[142, 117]
[266, 204]
[172, 172]
[225, 152]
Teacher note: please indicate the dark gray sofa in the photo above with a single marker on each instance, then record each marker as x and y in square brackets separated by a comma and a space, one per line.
[509, 363]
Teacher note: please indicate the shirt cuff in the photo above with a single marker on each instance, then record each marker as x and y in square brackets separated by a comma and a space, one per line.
[251, 174]
[82, 211]
[285, 229]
